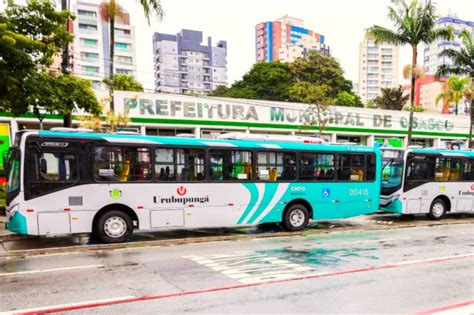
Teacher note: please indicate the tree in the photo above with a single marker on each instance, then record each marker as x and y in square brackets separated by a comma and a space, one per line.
[267, 81]
[456, 88]
[220, 90]
[415, 24]
[317, 96]
[318, 69]
[347, 99]
[62, 94]
[31, 35]
[124, 82]
[391, 98]
[462, 64]
[111, 10]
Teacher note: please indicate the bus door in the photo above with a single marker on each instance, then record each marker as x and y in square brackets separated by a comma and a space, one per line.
[418, 174]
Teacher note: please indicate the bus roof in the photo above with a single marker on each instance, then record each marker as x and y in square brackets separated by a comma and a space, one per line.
[460, 153]
[202, 142]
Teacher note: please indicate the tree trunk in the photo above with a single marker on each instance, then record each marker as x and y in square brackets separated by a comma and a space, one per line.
[67, 120]
[65, 56]
[111, 62]
[412, 94]
[471, 142]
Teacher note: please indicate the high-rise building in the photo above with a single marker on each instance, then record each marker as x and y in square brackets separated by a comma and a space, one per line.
[378, 67]
[286, 39]
[183, 64]
[91, 50]
[432, 60]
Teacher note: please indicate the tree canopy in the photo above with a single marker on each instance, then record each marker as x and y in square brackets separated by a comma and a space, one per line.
[391, 98]
[124, 82]
[279, 81]
[31, 36]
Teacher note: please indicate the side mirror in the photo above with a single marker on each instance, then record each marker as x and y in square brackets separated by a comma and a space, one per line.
[43, 166]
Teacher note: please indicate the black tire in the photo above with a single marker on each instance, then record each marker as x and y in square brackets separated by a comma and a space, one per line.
[113, 226]
[295, 218]
[438, 209]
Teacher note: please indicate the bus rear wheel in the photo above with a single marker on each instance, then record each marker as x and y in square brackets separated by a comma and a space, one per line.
[296, 218]
[114, 227]
[437, 209]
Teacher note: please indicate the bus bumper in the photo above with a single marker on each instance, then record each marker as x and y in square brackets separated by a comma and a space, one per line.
[17, 224]
[394, 206]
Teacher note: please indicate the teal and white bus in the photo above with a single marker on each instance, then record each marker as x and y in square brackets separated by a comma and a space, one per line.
[62, 182]
[429, 181]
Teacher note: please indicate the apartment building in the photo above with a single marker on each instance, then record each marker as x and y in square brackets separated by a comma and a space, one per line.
[184, 64]
[431, 58]
[378, 67]
[286, 39]
[91, 46]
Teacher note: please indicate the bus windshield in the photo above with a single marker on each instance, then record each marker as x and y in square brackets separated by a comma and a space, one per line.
[392, 171]
[13, 182]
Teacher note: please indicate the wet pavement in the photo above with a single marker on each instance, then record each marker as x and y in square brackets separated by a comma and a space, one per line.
[390, 270]
[11, 244]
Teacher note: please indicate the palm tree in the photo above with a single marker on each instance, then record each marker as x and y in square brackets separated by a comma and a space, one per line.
[462, 64]
[415, 24]
[391, 98]
[111, 10]
[456, 88]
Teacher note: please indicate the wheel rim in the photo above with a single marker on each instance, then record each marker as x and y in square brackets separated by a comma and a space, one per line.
[297, 217]
[438, 209]
[115, 227]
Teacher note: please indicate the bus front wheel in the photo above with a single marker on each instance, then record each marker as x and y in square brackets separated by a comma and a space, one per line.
[114, 227]
[296, 218]
[437, 210]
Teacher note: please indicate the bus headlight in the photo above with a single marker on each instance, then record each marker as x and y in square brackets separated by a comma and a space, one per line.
[395, 197]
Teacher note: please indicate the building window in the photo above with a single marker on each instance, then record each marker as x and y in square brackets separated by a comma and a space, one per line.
[88, 42]
[90, 70]
[84, 13]
[88, 28]
[124, 60]
[123, 71]
[89, 56]
[122, 46]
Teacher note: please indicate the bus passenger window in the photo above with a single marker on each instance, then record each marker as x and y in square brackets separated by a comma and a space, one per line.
[164, 165]
[351, 167]
[371, 167]
[468, 171]
[190, 165]
[122, 163]
[317, 166]
[273, 166]
[230, 165]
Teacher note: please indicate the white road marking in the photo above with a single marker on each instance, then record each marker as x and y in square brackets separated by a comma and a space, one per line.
[49, 270]
[61, 306]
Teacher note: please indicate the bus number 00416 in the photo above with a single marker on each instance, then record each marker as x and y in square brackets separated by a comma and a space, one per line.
[358, 192]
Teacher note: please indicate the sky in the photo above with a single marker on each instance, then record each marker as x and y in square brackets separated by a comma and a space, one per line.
[343, 22]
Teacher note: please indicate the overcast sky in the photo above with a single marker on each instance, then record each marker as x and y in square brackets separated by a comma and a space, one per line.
[342, 22]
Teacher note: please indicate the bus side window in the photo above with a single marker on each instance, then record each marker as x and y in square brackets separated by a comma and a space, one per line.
[351, 167]
[230, 165]
[274, 166]
[114, 163]
[468, 171]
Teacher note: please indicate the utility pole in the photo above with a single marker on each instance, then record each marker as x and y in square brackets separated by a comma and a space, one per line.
[65, 63]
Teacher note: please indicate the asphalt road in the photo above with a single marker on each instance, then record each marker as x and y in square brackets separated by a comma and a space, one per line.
[403, 270]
